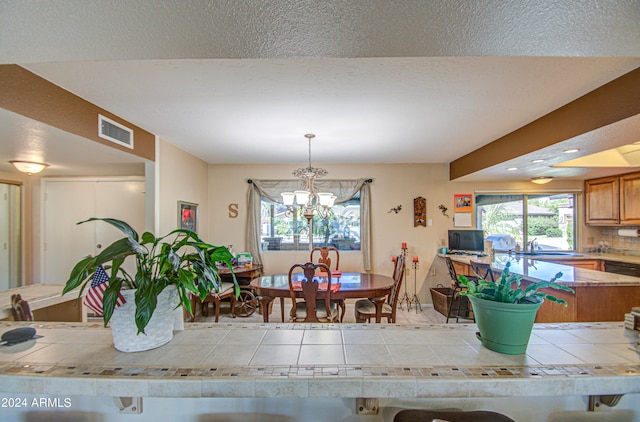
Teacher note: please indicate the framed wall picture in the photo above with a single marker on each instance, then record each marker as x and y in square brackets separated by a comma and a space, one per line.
[463, 202]
[188, 216]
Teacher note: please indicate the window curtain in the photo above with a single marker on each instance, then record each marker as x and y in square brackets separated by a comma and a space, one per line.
[343, 189]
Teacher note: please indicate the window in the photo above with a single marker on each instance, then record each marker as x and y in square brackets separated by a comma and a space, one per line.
[282, 230]
[547, 219]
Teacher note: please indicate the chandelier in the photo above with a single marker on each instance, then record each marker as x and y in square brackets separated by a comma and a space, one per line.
[308, 199]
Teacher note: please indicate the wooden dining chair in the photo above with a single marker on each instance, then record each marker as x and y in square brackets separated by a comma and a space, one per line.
[316, 305]
[20, 309]
[227, 291]
[456, 299]
[325, 258]
[366, 309]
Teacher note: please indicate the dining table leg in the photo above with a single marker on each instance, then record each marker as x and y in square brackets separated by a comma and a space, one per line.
[379, 301]
[265, 304]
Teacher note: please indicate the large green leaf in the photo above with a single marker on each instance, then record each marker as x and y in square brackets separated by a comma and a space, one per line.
[120, 225]
[146, 301]
[110, 297]
[118, 249]
[80, 273]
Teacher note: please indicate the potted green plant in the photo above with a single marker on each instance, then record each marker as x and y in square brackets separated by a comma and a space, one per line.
[505, 310]
[169, 269]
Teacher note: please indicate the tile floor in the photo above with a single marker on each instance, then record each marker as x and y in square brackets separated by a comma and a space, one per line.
[427, 315]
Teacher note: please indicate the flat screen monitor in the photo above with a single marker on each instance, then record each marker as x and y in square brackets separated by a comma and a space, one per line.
[466, 240]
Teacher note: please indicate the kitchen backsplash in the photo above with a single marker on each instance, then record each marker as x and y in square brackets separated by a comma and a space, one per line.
[619, 243]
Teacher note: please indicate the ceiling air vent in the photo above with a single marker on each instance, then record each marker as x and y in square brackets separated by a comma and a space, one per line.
[114, 132]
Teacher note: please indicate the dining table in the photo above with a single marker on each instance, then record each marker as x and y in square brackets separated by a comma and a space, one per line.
[353, 285]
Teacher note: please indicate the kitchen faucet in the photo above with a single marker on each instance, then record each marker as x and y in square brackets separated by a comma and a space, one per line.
[532, 245]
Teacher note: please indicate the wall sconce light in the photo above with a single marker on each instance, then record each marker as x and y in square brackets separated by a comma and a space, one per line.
[541, 180]
[29, 167]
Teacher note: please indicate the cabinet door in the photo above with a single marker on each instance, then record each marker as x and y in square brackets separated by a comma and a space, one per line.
[587, 264]
[630, 199]
[67, 202]
[602, 201]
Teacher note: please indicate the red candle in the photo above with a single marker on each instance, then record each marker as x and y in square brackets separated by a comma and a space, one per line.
[394, 258]
[404, 245]
[415, 258]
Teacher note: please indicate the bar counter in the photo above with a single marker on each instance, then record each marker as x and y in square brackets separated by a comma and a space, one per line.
[599, 296]
[323, 360]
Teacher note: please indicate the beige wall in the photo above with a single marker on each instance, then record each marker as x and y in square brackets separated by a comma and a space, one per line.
[393, 184]
[180, 177]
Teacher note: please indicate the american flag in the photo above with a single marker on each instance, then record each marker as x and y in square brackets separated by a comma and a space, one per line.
[93, 299]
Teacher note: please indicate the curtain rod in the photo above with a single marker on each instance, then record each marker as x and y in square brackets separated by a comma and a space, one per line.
[250, 181]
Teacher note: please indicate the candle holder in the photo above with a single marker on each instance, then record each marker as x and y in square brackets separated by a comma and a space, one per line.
[415, 300]
[405, 298]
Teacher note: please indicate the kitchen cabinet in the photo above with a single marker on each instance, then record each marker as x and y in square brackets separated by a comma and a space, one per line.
[587, 264]
[630, 199]
[602, 201]
[613, 200]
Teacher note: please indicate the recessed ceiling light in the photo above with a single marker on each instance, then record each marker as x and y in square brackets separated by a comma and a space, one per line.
[571, 151]
[512, 168]
[539, 160]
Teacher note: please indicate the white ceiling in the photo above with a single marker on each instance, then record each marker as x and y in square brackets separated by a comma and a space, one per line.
[376, 81]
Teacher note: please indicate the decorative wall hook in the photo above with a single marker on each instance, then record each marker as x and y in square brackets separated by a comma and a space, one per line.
[442, 208]
[396, 209]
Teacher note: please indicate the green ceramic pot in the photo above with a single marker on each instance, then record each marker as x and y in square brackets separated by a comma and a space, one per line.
[504, 327]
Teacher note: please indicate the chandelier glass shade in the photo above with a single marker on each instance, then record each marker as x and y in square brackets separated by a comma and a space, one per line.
[308, 199]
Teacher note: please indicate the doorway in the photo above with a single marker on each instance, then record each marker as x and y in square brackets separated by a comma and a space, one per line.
[10, 235]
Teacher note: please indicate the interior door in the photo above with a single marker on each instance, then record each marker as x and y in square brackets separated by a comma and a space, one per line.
[4, 236]
[123, 200]
[69, 201]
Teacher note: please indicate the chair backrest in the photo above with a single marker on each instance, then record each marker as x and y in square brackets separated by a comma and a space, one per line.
[452, 270]
[324, 257]
[398, 276]
[482, 270]
[20, 309]
[310, 293]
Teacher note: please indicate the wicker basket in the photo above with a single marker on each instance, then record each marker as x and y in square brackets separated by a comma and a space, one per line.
[441, 297]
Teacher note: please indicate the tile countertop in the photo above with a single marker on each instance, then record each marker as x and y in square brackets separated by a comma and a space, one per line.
[323, 360]
[539, 270]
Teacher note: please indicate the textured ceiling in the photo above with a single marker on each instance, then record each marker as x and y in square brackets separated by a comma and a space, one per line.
[376, 81]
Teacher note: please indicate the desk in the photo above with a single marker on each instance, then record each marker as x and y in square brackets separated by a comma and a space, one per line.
[352, 286]
[46, 303]
[243, 274]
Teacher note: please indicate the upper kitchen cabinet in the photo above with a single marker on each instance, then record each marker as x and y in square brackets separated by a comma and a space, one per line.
[630, 199]
[613, 201]
[602, 201]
